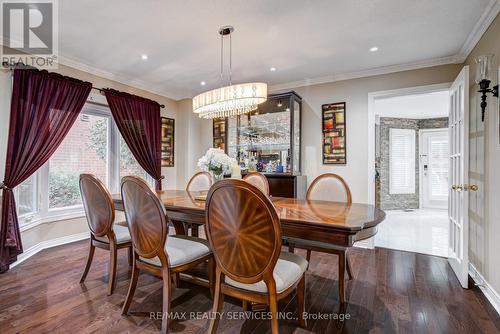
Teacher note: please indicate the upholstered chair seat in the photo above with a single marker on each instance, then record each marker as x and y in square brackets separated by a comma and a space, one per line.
[289, 270]
[121, 234]
[182, 249]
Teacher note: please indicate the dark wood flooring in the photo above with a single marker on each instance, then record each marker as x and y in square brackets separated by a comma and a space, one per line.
[393, 292]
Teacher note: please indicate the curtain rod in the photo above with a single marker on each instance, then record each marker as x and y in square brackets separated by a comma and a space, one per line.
[11, 66]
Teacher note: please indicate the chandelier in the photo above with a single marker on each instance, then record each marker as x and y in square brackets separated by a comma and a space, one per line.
[229, 100]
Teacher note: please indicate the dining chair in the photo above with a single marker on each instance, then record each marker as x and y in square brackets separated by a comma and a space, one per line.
[198, 182]
[333, 188]
[104, 234]
[259, 180]
[244, 232]
[153, 251]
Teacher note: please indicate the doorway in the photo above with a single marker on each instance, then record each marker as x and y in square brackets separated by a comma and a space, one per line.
[411, 163]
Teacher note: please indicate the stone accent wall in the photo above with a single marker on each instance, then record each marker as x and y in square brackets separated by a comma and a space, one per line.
[400, 201]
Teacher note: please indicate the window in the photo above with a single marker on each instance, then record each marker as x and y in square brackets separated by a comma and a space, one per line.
[26, 197]
[83, 150]
[93, 145]
[402, 161]
[439, 167]
[128, 164]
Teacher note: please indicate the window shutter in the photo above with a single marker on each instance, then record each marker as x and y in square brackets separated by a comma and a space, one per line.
[402, 161]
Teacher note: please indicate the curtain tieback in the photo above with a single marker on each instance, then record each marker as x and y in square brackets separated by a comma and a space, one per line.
[160, 178]
[4, 187]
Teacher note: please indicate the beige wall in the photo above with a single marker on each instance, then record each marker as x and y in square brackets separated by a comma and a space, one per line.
[484, 222]
[197, 139]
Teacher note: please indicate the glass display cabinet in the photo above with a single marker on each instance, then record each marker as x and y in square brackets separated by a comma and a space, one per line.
[267, 140]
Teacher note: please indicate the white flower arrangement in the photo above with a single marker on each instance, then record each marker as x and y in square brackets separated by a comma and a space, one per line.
[216, 161]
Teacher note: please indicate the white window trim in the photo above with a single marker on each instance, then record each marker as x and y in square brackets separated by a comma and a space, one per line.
[46, 215]
[411, 134]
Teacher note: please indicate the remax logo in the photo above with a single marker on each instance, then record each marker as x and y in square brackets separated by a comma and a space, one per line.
[29, 28]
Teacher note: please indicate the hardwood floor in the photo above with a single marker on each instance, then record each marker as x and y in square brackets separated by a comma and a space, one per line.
[392, 292]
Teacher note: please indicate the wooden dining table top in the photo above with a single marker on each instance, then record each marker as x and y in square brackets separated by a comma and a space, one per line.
[181, 204]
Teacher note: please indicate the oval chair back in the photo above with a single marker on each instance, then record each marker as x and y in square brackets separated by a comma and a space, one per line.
[259, 180]
[243, 229]
[98, 205]
[146, 218]
[199, 181]
[329, 187]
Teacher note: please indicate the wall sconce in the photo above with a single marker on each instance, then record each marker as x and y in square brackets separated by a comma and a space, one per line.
[483, 80]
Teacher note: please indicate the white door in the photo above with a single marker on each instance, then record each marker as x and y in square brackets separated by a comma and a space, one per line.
[434, 164]
[459, 171]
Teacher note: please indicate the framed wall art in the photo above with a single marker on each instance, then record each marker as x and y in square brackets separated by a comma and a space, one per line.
[219, 133]
[167, 141]
[334, 134]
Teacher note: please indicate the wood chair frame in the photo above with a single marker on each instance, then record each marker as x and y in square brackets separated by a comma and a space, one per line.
[100, 228]
[146, 249]
[194, 227]
[261, 177]
[344, 263]
[262, 267]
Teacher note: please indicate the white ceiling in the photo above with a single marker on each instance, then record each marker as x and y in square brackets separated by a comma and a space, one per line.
[420, 106]
[304, 39]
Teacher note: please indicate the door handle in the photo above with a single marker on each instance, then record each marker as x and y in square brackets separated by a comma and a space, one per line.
[471, 187]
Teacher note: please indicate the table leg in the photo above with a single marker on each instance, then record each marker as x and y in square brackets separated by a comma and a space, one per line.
[194, 230]
[179, 227]
[342, 265]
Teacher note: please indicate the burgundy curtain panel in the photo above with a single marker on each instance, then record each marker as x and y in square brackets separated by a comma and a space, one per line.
[138, 120]
[43, 109]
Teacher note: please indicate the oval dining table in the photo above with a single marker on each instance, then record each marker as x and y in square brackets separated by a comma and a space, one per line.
[331, 222]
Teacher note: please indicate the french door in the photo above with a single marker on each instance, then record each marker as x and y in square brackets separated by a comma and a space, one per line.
[458, 201]
[434, 168]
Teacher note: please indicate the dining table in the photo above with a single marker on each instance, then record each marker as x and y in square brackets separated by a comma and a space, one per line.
[323, 221]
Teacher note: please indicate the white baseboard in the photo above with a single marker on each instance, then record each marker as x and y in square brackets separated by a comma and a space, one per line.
[486, 288]
[48, 244]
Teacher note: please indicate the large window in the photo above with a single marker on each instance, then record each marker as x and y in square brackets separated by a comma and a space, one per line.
[26, 197]
[93, 145]
[84, 150]
[402, 161]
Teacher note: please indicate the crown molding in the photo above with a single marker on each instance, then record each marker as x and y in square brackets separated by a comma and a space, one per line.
[489, 14]
[366, 73]
[129, 81]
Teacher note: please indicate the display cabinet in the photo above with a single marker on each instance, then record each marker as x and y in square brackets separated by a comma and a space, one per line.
[268, 139]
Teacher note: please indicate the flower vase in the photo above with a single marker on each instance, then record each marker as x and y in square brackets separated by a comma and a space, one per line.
[217, 176]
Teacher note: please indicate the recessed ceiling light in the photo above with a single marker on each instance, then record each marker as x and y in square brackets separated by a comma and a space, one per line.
[144, 57]
[272, 69]
[203, 83]
[373, 49]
